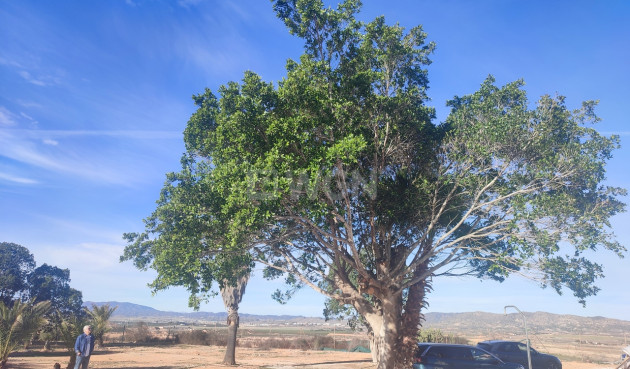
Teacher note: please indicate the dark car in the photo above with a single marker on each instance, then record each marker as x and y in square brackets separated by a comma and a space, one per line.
[442, 355]
[516, 352]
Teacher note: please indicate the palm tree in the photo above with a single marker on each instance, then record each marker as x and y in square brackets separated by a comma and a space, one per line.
[69, 329]
[18, 323]
[100, 320]
[232, 295]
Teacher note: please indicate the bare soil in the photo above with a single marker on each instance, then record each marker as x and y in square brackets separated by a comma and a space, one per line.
[210, 357]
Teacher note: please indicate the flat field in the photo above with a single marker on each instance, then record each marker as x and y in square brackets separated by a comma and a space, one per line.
[210, 357]
[201, 347]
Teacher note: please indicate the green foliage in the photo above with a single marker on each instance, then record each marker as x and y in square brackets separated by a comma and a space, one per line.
[99, 317]
[16, 263]
[184, 239]
[18, 323]
[437, 336]
[531, 181]
[338, 179]
[50, 283]
[69, 328]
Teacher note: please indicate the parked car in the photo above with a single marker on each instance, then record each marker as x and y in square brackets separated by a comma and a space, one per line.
[445, 356]
[516, 352]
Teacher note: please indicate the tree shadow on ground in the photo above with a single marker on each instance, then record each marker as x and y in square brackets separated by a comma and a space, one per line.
[334, 362]
[39, 354]
[63, 366]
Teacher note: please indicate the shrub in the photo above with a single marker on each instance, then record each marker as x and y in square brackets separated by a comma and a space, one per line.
[202, 337]
[139, 334]
[437, 336]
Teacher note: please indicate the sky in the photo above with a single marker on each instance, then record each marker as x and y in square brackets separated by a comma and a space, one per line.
[95, 95]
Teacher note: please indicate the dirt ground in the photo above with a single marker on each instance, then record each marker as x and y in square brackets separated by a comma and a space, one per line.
[210, 357]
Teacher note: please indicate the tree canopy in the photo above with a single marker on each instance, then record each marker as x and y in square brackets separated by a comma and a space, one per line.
[340, 179]
[17, 263]
[50, 283]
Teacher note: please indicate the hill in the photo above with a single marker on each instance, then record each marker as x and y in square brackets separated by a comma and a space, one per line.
[489, 324]
[466, 324]
[129, 311]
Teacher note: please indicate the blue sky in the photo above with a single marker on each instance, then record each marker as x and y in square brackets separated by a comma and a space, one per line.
[94, 96]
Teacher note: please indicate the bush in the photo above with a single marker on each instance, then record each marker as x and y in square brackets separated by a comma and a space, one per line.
[140, 334]
[202, 337]
[437, 336]
[302, 343]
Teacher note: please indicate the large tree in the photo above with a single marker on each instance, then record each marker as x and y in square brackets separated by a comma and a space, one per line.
[50, 283]
[16, 263]
[339, 178]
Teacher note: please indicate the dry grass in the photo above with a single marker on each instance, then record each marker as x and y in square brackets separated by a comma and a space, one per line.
[154, 348]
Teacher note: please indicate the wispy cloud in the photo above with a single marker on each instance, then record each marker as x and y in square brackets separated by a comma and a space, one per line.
[30, 79]
[7, 118]
[188, 3]
[10, 63]
[132, 134]
[102, 256]
[19, 180]
[10, 119]
[17, 149]
[41, 80]
[29, 104]
[102, 245]
[90, 155]
[618, 133]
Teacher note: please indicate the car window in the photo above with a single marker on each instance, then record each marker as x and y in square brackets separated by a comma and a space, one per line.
[484, 346]
[481, 355]
[449, 352]
[511, 347]
[435, 352]
[461, 353]
[421, 350]
[522, 347]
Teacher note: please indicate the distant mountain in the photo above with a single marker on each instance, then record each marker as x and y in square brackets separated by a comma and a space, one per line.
[468, 324]
[487, 324]
[131, 311]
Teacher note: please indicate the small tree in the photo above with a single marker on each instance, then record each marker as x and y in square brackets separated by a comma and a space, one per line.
[190, 250]
[100, 316]
[69, 329]
[18, 323]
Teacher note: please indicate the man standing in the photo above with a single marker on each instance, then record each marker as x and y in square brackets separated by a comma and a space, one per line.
[84, 347]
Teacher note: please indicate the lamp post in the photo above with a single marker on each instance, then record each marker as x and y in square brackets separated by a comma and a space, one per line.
[529, 356]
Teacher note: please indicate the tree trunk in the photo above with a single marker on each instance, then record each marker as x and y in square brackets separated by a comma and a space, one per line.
[411, 321]
[395, 330]
[73, 360]
[385, 326]
[230, 350]
[373, 346]
[3, 364]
